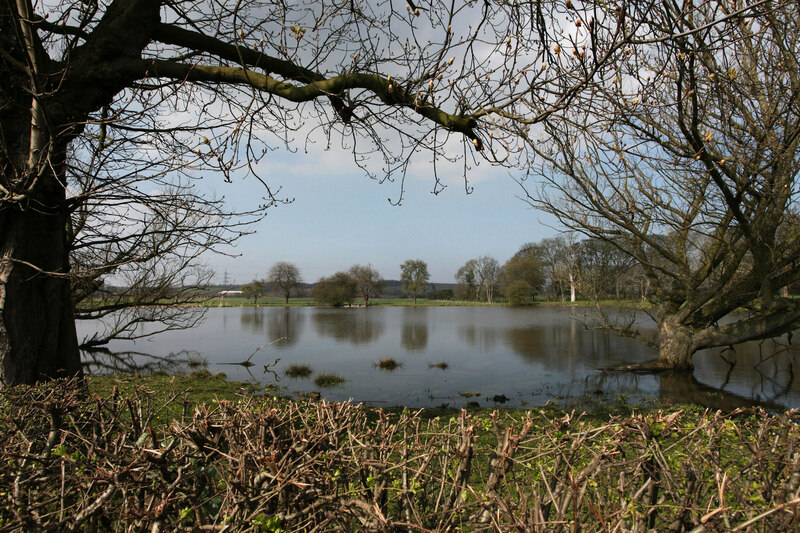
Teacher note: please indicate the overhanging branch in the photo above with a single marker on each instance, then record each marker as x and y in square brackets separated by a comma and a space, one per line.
[389, 92]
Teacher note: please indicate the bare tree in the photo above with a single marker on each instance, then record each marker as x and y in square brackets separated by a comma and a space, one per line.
[684, 156]
[559, 260]
[138, 256]
[284, 277]
[369, 282]
[190, 86]
[487, 271]
[604, 271]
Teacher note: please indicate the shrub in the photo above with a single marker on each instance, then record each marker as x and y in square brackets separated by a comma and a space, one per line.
[518, 293]
[335, 290]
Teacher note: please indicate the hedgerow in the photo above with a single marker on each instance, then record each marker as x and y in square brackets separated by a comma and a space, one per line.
[76, 462]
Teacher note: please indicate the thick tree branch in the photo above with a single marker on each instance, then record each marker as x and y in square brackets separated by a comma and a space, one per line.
[390, 93]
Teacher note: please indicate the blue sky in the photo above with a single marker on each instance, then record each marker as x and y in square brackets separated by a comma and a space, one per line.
[341, 217]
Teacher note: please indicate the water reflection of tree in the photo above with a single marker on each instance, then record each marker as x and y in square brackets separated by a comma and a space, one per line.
[284, 323]
[529, 343]
[674, 388]
[102, 361]
[683, 387]
[414, 332]
[479, 337]
[252, 319]
[771, 362]
[357, 326]
[554, 347]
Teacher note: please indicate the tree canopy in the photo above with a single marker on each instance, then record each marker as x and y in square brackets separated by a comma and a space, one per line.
[336, 290]
[414, 275]
[255, 289]
[284, 278]
[369, 281]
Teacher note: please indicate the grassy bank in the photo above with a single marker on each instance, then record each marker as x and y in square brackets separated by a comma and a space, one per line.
[421, 302]
[145, 456]
[305, 302]
[272, 301]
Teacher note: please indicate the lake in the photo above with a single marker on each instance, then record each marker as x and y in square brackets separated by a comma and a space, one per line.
[511, 357]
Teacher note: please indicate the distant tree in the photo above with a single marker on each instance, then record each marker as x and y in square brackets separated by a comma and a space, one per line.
[443, 294]
[467, 288]
[254, 289]
[368, 281]
[526, 267]
[559, 259]
[604, 270]
[487, 270]
[414, 275]
[336, 290]
[518, 292]
[284, 278]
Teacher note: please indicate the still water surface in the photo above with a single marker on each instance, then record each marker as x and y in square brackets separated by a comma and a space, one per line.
[529, 356]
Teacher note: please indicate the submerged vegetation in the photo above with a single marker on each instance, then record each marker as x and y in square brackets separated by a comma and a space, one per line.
[298, 371]
[329, 380]
[87, 461]
[387, 363]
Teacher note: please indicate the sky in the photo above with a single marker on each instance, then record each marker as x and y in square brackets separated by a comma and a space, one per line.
[341, 217]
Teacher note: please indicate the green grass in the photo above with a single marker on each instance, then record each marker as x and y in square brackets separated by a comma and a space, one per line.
[276, 301]
[176, 395]
[603, 303]
[298, 371]
[264, 301]
[236, 301]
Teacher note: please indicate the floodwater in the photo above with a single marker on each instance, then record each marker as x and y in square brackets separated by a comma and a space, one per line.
[511, 357]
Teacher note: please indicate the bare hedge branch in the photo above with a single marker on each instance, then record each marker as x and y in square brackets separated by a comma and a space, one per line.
[74, 463]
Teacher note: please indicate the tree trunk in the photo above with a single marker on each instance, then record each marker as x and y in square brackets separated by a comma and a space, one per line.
[37, 326]
[675, 345]
[571, 288]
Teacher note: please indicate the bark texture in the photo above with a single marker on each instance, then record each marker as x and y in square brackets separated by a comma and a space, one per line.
[676, 344]
[37, 328]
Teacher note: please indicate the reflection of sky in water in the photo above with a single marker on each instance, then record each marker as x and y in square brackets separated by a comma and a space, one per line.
[530, 355]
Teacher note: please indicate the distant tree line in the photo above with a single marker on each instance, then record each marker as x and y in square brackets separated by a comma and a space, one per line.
[562, 268]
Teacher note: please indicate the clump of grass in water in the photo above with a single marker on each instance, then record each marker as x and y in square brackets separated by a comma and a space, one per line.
[328, 380]
[442, 365]
[197, 362]
[388, 364]
[298, 371]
